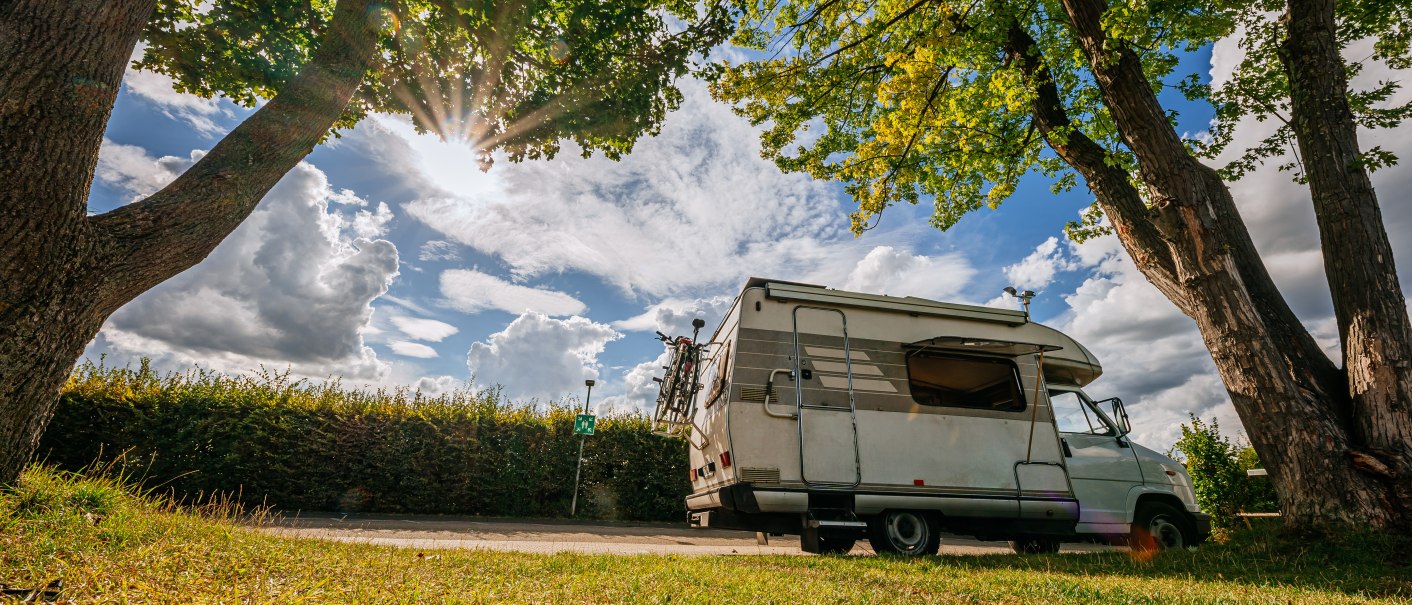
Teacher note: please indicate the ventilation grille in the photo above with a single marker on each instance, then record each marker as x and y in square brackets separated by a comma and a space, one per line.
[755, 474]
[757, 395]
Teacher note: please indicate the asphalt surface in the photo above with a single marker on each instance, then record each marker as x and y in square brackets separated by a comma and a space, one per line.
[547, 536]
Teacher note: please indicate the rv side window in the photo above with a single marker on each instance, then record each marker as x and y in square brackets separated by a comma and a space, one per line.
[988, 384]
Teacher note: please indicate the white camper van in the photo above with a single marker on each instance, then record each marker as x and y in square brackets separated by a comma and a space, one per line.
[837, 416]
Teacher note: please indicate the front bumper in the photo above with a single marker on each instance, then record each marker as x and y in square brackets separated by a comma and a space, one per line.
[1202, 522]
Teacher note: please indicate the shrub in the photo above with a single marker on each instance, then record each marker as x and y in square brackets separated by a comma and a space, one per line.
[1218, 473]
[294, 445]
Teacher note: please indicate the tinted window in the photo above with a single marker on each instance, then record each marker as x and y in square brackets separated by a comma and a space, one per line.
[988, 384]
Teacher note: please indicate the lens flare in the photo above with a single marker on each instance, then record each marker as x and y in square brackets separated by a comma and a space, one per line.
[559, 51]
[386, 19]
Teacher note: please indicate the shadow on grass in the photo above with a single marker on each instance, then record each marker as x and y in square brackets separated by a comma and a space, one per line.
[1366, 564]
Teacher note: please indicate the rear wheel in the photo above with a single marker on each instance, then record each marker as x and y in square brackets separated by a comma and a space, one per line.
[1030, 545]
[904, 532]
[1160, 526]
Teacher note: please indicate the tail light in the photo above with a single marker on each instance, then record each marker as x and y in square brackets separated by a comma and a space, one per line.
[725, 459]
[693, 475]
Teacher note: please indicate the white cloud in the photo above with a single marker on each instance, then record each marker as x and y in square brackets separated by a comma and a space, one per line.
[637, 392]
[539, 357]
[412, 349]
[1039, 268]
[439, 250]
[888, 270]
[290, 288]
[429, 330]
[690, 213]
[368, 225]
[128, 167]
[472, 292]
[673, 316]
[432, 386]
[198, 112]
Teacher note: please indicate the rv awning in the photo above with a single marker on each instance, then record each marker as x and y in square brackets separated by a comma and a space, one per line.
[961, 344]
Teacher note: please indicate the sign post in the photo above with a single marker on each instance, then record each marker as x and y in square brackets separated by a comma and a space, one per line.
[583, 427]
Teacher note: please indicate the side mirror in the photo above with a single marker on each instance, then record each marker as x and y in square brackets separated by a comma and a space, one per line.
[1120, 415]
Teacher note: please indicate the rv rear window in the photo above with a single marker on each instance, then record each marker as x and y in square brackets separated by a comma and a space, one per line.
[962, 382]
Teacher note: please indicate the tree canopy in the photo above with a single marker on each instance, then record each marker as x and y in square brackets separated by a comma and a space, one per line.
[520, 76]
[902, 99]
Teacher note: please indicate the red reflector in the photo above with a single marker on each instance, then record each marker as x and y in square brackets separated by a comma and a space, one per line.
[693, 474]
[725, 459]
[1172, 473]
[918, 482]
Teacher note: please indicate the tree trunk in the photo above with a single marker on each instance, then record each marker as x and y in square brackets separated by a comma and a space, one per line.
[62, 272]
[1290, 397]
[61, 64]
[1369, 307]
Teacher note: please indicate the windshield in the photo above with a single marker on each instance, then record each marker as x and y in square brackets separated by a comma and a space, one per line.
[1074, 413]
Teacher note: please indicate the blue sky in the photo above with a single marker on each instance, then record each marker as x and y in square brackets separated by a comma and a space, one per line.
[389, 259]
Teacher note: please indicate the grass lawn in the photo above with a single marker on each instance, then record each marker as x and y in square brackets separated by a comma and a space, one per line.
[108, 545]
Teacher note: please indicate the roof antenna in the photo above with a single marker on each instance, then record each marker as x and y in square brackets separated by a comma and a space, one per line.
[1023, 296]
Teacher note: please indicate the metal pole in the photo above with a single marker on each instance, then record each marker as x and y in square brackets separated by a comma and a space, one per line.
[574, 504]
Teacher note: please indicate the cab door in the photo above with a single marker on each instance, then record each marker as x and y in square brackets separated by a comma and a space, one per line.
[1102, 465]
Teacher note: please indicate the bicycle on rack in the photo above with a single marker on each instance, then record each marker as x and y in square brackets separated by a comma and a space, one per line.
[677, 397]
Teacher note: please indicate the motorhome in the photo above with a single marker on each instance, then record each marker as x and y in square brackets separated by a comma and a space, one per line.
[838, 416]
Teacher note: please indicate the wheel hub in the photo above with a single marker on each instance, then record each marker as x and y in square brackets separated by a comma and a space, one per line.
[1165, 533]
[906, 531]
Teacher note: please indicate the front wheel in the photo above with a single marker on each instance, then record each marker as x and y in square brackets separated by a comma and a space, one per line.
[904, 532]
[1160, 526]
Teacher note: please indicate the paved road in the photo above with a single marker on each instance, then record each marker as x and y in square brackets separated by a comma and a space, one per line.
[562, 536]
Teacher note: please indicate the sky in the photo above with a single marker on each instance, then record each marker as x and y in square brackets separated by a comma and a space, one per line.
[388, 259]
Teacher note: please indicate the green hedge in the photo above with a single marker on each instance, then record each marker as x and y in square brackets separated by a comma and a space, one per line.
[294, 445]
[1218, 474]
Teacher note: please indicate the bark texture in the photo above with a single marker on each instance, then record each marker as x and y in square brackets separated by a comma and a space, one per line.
[1289, 395]
[1368, 301]
[65, 272]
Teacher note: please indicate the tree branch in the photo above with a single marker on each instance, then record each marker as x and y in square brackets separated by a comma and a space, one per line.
[1196, 212]
[1113, 187]
[175, 228]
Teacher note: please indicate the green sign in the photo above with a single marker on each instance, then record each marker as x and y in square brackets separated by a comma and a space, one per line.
[583, 424]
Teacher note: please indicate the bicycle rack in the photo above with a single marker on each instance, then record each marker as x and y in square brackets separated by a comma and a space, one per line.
[676, 401]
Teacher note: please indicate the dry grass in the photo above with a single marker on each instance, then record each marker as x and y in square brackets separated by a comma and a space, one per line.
[108, 545]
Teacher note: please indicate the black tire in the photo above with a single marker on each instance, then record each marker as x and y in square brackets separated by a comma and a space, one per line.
[1161, 526]
[907, 533]
[835, 545]
[1031, 545]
